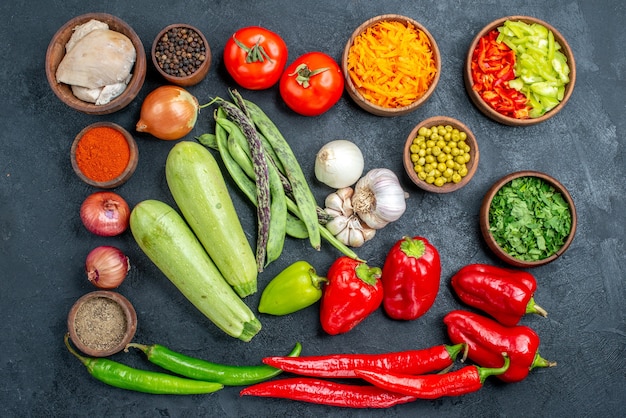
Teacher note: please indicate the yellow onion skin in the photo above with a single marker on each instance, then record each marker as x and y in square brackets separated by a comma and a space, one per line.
[168, 113]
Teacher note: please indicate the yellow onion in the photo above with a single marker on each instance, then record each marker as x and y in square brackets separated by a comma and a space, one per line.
[168, 112]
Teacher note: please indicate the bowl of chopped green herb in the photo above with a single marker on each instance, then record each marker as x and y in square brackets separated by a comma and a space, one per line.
[528, 219]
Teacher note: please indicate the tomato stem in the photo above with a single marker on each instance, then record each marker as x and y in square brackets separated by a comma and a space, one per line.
[304, 74]
[256, 53]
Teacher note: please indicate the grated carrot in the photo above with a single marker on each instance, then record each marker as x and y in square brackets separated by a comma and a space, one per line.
[392, 64]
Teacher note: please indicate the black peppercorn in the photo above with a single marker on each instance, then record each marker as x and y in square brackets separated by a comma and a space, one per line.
[180, 52]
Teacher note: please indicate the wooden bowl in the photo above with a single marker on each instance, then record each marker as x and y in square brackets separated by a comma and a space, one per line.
[485, 225]
[128, 171]
[354, 92]
[56, 52]
[488, 110]
[471, 165]
[101, 323]
[188, 80]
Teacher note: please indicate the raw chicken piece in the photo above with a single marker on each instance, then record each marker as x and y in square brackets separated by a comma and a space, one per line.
[101, 57]
[102, 95]
[81, 30]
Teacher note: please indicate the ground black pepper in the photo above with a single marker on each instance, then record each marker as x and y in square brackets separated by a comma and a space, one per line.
[180, 52]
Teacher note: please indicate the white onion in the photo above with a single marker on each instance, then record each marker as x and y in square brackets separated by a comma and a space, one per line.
[339, 164]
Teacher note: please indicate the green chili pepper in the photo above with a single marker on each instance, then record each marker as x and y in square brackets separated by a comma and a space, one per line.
[293, 289]
[121, 376]
[203, 370]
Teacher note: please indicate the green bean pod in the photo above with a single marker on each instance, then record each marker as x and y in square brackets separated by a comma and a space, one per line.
[194, 368]
[301, 191]
[261, 176]
[294, 226]
[246, 166]
[124, 377]
[240, 152]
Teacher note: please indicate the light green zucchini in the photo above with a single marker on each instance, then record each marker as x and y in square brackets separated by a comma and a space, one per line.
[167, 240]
[198, 187]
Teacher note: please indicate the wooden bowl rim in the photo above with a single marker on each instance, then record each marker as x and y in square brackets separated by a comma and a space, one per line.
[56, 52]
[484, 217]
[474, 154]
[493, 114]
[132, 161]
[199, 74]
[356, 95]
[129, 313]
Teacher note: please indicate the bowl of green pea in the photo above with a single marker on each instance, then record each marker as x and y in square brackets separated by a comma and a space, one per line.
[441, 154]
[528, 219]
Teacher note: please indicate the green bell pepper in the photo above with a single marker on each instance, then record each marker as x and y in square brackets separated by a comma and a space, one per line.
[295, 288]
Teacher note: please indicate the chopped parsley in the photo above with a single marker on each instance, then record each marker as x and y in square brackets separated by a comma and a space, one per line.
[529, 219]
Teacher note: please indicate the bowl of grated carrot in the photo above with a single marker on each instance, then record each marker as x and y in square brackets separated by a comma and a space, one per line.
[391, 64]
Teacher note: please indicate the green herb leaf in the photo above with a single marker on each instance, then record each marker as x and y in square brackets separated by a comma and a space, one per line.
[529, 219]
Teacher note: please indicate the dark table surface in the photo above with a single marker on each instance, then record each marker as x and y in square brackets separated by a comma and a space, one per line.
[44, 243]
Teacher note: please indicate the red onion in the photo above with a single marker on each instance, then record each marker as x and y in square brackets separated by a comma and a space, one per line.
[106, 267]
[105, 213]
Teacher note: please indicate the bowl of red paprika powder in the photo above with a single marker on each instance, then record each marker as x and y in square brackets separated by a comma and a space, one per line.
[104, 155]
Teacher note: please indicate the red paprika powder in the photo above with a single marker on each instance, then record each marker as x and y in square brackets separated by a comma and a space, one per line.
[102, 153]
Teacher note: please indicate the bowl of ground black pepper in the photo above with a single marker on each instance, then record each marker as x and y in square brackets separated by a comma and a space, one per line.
[181, 54]
[104, 155]
[101, 323]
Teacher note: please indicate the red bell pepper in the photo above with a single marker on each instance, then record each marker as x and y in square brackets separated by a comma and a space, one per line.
[505, 294]
[493, 65]
[411, 276]
[487, 339]
[353, 291]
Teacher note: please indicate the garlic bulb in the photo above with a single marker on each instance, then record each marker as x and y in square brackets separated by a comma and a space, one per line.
[378, 198]
[340, 203]
[345, 224]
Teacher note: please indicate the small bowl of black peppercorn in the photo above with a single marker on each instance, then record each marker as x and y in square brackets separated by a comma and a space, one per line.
[181, 54]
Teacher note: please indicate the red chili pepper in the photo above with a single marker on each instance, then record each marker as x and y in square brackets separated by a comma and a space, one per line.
[493, 65]
[353, 291]
[486, 339]
[343, 365]
[326, 392]
[432, 386]
[411, 276]
[505, 294]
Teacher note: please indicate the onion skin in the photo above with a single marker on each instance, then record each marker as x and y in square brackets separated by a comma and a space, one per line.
[168, 113]
[106, 267]
[105, 214]
[339, 164]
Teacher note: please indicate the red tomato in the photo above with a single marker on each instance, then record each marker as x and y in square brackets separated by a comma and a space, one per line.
[312, 84]
[255, 57]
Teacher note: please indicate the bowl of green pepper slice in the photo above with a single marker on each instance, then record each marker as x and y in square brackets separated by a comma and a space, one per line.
[519, 71]
[528, 219]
